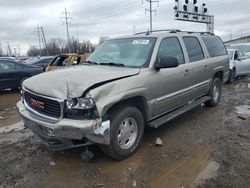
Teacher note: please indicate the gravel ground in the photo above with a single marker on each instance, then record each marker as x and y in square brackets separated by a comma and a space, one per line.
[206, 147]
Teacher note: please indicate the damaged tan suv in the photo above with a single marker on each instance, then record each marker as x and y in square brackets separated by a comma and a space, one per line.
[128, 83]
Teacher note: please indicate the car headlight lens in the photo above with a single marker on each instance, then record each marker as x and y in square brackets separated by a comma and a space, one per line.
[80, 103]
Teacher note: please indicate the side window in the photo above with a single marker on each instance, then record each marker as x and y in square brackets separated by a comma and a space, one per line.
[214, 46]
[170, 47]
[194, 50]
[60, 61]
[7, 66]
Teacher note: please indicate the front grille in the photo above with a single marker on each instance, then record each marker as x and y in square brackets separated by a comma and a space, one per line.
[43, 105]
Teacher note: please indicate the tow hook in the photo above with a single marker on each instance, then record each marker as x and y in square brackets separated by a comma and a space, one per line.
[87, 155]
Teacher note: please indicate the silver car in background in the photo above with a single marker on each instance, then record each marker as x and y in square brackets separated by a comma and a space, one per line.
[239, 64]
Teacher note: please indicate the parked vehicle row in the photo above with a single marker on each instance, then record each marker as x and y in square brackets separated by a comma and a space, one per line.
[42, 62]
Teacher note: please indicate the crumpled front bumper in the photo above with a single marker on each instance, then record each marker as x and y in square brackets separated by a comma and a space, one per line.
[59, 135]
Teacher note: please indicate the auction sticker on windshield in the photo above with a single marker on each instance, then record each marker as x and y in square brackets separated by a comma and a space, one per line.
[140, 42]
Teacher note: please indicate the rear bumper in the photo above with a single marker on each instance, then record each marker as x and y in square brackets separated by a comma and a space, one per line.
[59, 135]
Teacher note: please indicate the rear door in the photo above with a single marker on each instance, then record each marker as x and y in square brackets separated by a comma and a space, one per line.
[198, 67]
[171, 84]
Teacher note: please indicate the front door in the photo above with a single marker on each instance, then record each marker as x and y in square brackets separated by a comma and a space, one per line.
[171, 84]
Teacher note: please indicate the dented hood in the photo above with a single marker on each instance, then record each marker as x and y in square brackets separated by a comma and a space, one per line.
[73, 82]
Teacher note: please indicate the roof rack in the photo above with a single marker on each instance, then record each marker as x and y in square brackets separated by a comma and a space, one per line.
[155, 31]
[172, 31]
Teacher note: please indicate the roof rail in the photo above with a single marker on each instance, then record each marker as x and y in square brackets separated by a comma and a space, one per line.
[172, 31]
[155, 31]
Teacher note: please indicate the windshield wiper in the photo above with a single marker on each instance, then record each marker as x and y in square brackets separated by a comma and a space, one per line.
[91, 62]
[113, 64]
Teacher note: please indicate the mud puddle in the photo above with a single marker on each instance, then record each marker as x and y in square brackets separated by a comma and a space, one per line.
[101, 172]
[192, 170]
[243, 110]
[8, 111]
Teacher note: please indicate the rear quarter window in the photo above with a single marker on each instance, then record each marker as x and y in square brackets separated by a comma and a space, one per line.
[214, 46]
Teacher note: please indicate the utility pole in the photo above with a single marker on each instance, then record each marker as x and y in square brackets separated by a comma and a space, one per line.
[44, 40]
[19, 50]
[39, 38]
[77, 33]
[150, 10]
[9, 49]
[1, 50]
[67, 18]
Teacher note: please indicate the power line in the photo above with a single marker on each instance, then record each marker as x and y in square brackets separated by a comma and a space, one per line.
[66, 16]
[150, 10]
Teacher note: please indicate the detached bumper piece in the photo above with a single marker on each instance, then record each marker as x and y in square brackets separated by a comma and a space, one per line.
[66, 133]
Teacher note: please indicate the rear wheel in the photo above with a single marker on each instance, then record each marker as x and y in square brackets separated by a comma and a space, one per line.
[215, 92]
[126, 132]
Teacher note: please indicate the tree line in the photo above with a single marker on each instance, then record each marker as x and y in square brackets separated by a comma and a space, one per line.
[58, 46]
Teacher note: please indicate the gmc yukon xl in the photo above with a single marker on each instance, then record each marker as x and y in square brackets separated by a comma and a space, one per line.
[128, 83]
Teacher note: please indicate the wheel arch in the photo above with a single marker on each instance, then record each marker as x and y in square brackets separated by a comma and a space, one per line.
[139, 102]
[220, 75]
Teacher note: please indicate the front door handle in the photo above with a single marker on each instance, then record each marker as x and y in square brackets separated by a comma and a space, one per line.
[186, 72]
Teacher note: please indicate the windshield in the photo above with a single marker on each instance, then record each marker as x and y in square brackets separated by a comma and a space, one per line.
[135, 52]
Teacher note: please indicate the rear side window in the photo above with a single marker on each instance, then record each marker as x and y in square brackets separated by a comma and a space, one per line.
[214, 46]
[194, 49]
[170, 47]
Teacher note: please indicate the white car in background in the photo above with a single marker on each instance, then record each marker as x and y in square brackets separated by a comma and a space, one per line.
[239, 64]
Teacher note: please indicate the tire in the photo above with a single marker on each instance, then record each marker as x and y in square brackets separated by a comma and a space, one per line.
[128, 120]
[231, 78]
[214, 93]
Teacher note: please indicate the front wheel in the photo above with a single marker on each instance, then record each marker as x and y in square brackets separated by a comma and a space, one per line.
[126, 132]
[215, 92]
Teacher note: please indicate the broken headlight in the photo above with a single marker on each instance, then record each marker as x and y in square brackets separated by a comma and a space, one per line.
[79, 104]
[80, 108]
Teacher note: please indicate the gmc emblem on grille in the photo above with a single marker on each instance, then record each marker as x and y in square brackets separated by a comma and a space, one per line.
[37, 104]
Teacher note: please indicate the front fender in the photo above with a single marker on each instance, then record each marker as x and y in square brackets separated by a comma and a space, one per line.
[105, 103]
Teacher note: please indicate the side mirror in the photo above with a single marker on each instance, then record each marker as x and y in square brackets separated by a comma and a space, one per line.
[167, 62]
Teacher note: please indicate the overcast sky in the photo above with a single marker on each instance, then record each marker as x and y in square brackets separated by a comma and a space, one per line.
[19, 19]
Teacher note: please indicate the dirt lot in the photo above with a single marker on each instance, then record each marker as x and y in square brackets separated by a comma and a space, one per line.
[207, 147]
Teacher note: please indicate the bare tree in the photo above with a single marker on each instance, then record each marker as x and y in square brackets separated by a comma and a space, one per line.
[33, 51]
[102, 39]
[57, 46]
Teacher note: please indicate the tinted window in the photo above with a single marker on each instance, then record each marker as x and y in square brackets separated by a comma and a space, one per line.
[194, 49]
[214, 46]
[6, 66]
[170, 47]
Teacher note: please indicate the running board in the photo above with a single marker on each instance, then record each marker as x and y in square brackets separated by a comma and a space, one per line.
[176, 113]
